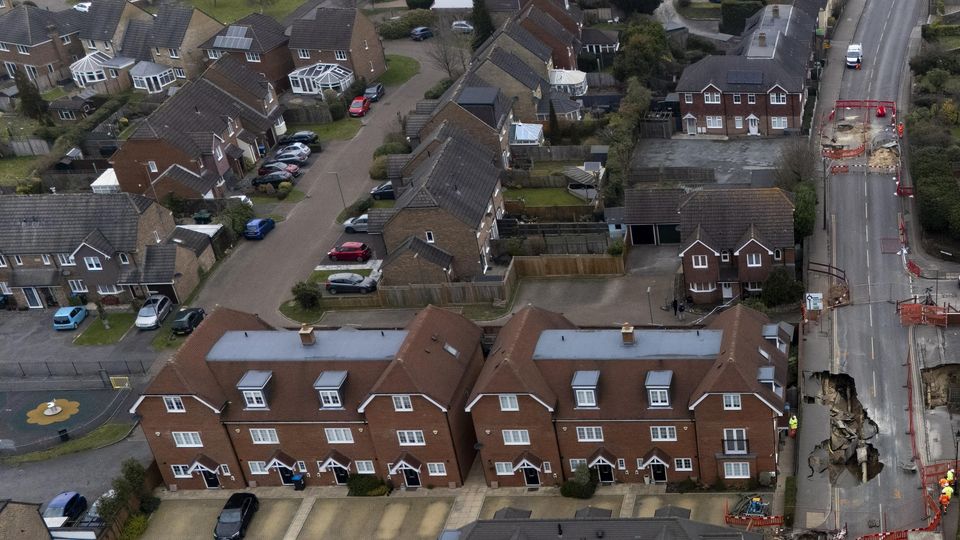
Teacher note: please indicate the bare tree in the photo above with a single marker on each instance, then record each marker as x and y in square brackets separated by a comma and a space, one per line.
[798, 162]
[450, 54]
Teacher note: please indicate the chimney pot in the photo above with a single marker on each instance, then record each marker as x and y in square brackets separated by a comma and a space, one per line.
[307, 337]
[762, 39]
[775, 11]
[626, 333]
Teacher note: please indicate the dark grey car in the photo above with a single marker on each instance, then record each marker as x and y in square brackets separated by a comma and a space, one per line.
[350, 283]
[235, 516]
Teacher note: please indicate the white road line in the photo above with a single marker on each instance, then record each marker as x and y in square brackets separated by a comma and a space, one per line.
[870, 311]
[874, 384]
[873, 356]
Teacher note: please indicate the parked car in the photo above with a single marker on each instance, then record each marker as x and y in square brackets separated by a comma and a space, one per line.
[92, 517]
[187, 319]
[351, 251]
[154, 310]
[356, 224]
[421, 33]
[64, 509]
[461, 27]
[374, 92]
[299, 147]
[360, 106]
[305, 137]
[243, 199]
[274, 179]
[274, 166]
[82, 7]
[69, 318]
[350, 283]
[383, 191]
[293, 157]
[258, 228]
[235, 516]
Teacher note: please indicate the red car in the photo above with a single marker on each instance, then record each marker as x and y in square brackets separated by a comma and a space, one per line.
[359, 106]
[350, 251]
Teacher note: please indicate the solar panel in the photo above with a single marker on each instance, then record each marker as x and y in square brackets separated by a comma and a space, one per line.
[232, 42]
[236, 31]
[745, 77]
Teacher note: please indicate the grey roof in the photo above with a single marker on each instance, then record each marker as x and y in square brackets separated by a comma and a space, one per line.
[592, 512]
[608, 345]
[159, 263]
[145, 68]
[136, 40]
[328, 29]
[609, 529]
[658, 378]
[585, 378]
[101, 21]
[198, 183]
[598, 36]
[99, 242]
[245, 78]
[672, 511]
[423, 250]
[342, 344]
[330, 379]
[377, 218]
[650, 206]
[170, 26]
[255, 33]
[27, 25]
[727, 214]
[487, 103]
[58, 223]
[528, 41]
[478, 96]
[517, 68]
[195, 241]
[72, 103]
[543, 20]
[614, 214]
[255, 379]
[562, 104]
[510, 512]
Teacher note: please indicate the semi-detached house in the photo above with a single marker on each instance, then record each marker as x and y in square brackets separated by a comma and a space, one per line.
[40, 43]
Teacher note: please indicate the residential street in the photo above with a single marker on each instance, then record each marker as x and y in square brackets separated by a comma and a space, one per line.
[258, 276]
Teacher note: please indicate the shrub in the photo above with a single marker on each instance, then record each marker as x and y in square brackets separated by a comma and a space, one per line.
[284, 189]
[755, 303]
[582, 485]
[392, 148]
[134, 527]
[419, 4]
[149, 504]
[734, 15]
[366, 485]
[437, 90]
[359, 207]
[235, 218]
[615, 248]
[686, 485]
[781, 288]
[307, 294]
[379, 491]
[400, 28]
[334, 101]
[683, 3]
[378, 170]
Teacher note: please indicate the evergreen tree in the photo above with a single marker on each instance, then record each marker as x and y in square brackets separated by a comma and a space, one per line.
[554, 125]
[482, 23]
[31, 102]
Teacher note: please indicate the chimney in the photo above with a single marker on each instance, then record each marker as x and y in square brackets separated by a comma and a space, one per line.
[307, 337]
[626, 334]
[775, 11]
[762, 39]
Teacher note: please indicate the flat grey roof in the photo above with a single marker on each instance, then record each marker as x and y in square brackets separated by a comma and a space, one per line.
[255, 379]
[585, 378]
[280, 345]
[659, 378]
[608, 345]
[330, 379]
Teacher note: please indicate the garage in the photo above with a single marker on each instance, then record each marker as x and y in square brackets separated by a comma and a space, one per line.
[668, 233]
[643, 235]
[652, 214]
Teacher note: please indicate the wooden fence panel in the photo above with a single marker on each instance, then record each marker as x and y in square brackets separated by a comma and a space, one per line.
[558, 153]
[30, 147]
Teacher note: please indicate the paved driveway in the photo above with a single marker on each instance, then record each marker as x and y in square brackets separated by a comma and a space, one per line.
[381, 518]
[195, 519]
[258, 276]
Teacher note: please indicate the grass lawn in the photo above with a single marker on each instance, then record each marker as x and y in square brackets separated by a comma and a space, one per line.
[278, 218]
[292, 310]
[543, 196]
[384, 203]
[399, 70]
[18, 125]
[484, 312]
[14, 169]
[164, 338]
[53, 93]
[701, 11]
[320, 276]
[96, 334]
[294, 197]
[949, 42]
[341, 130]
[789, 500]
[227, 11]
[101, 436]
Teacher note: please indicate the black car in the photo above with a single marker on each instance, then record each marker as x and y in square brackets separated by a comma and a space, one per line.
[294, 157]
[235, 516]
[274, 179]
[374, 92]
[350, 283]
[305, 137]
[187, 319]
[383, 191]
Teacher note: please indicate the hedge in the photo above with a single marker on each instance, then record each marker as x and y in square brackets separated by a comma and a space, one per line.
[400, 28]
[437, 90]
[366, 485]
[933, 31]
[734, 15]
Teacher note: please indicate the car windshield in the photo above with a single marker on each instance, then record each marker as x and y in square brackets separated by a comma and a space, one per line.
[53, 511]
[230, 516]
[147, 311]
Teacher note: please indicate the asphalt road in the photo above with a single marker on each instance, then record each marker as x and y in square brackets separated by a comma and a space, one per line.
[869, 343]
[258, 276]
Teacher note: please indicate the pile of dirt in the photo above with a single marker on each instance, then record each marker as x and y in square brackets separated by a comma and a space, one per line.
[883, 157]
[938, 382]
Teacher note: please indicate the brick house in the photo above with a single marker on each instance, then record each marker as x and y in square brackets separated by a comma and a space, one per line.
[105, 24]
[635, 405]
[258, 41]
[41, 43]
[102, 246]
[329, 37]
[564, 43]
[267, 404]
[452, 203]
[481, 112]
[176, 37]
[760, 88]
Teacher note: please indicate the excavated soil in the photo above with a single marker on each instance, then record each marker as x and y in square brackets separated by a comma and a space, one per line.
[883, 157]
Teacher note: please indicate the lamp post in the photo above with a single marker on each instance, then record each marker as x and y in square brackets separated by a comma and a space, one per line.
[823, 161]
[649, 305]
[339, 189]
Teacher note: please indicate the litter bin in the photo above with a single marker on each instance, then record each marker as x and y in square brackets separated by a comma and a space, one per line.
[64, 436]
[298, 483]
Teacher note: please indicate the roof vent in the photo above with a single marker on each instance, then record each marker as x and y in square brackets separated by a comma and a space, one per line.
[762, 39]
[307, 337]
[775, 11]
[626, 334]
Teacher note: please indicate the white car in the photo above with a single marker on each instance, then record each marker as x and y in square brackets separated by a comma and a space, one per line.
[462, 27]
[83, 7]
[298, 147]
[356, 224]
[155, 309]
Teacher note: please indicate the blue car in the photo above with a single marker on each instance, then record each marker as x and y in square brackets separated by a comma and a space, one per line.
[258, 228]
[69, 318]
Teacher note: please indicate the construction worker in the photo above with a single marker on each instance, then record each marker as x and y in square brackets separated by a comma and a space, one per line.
[944, 501]
[948, 491]
[794, 424]
[951, 477]
[900, 130]
[944, 483]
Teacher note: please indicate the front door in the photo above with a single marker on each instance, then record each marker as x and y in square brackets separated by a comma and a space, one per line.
[605, 473]
[286, 475]
[531, 476]
[411, 477]
[153, 85]
[33, 298]
[659, 472]
[727, 289]
[210, 479]
[754, 124]
[341, 475]
[691, 126]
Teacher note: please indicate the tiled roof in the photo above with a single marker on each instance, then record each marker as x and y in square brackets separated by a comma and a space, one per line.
[195, 241]
[517, 68]
[727, 213]
[201, 184]
[101, 21]
[328, 29]
[137, 40]
[27, 25]
[611, 529]
[528, 41]
[58, 223]
[597, 36]
[377, 218]
[236, 72]
[159, 263]
[425, 251]
[541, 19]
[35, 277]
[562, 103]
[649, 206]
[99, 242]
[72, 103]
[487, 96]
[264, 32]
[170, 26]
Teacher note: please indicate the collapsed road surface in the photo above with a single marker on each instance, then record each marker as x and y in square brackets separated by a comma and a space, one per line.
[847, 454]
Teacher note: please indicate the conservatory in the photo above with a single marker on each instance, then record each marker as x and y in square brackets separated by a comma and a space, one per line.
[317, 78]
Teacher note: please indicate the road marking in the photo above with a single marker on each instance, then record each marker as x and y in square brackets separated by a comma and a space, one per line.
[836, 507]
[870, 308]
[873, 356]
[874, 384]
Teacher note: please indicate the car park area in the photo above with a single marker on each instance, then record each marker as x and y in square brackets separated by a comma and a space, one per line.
[189, 519]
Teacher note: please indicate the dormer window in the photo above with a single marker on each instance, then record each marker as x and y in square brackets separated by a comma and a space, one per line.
[402, 403]
[711, 97]
[341, 55]
[585, 388]
[657, 384]
[253, 386]
[328, 386]
[766, 376]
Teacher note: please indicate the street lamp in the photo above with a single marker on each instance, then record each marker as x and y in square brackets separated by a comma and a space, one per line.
[823, 161]
[340, 189]
[649, 305]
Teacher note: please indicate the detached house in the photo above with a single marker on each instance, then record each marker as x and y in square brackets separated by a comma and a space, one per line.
[333, 47]
[476, 109]
[258, 41]
[564, 41]
[102, 246]
[242, 404]
[176, 37]
[761, 88]
[40, 43]
[644, 406]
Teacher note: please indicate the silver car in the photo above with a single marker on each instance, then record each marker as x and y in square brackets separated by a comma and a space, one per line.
[155, 309]
[350, 283]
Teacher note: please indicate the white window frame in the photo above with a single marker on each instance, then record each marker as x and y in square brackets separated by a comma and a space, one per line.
[77, 286]
[264, 436]
[65, 40]
[18, 260]
[340, 55]
[339, 435]
[778, 122]
[777, 254]
[436, 469]
[218, 152]
[515, 437]
[547, 467]
[4, 288]
[225, 469]
[253, 57]
[93, 263]
[152, 166]
[46, 259]
[778, 98]
[173, 53]
[663, 433]
[214, 54]
[576, 462]
[303, 54]
[683, 464]
[187, 439]
[582, 395]
[366, 465]
[751, 99]
[411, 437]
[736, 469]
[254, 399]
[179, 73]
[429, 237]
[64, 259]
[659, 397]
[330, 399]
[725, 256]
[504, 468]
[754, 260]
[108, 289]
[300, 466]
[122, 257]
[732, 402]
[711, 98]
[738, 122]
[402, 403]
[703, 287]
[181, 471]
[509, 402]
[589, 434]
[737, 99]
[174, 404]
[688, 98]
[714, 122]
[735, 437]
[621, 464]
[3, 262]
[699, 261]
[258, 467]
[23, 49]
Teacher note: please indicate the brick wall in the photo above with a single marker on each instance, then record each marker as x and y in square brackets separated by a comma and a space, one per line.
[129, 163]
[406, 269]
[525, 106]
[708, 275]
[366, 50]
[275, 65]
[758, 420]
[532, 416]
[188, 266]
[477, 129]
[730, 110]
[192, 58]
[451, 235]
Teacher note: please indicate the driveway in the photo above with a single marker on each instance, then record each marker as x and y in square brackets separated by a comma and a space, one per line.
[191, 519]
[258, 276]
[745, 160]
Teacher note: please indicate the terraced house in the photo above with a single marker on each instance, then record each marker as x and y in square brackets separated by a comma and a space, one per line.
[40, 43]
[242, 404]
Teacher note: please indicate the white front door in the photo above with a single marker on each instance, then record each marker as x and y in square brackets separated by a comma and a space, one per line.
[754, 124]
[691, 126]
[727, 289]
[33, 297]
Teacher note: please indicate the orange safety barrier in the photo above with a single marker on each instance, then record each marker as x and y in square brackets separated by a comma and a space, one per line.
[840, 153]
[839, 169]
[754, 521]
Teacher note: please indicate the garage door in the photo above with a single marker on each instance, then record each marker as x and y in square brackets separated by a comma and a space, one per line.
[642, 234]
[668, 234]
[166, 290]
